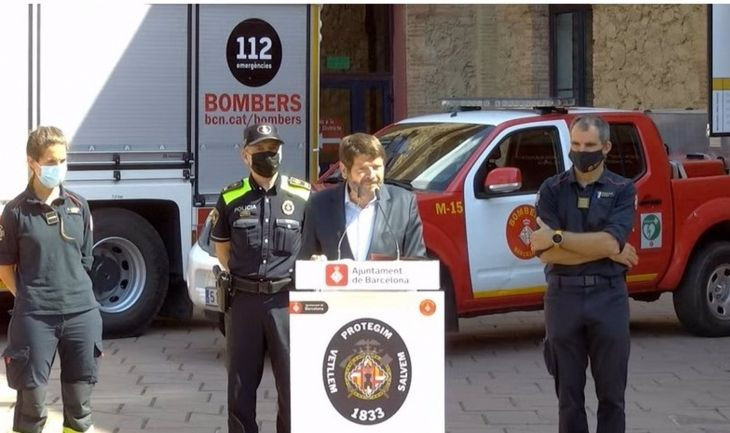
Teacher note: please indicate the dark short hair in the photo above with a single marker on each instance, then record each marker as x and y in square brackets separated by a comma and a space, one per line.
[585, 123]
[41, 139]
[358, 144]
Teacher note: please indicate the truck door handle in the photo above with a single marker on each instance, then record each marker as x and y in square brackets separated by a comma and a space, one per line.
[650, 201]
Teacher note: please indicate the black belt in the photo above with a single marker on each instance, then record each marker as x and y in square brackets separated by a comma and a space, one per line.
[254, 286]
[585, 280]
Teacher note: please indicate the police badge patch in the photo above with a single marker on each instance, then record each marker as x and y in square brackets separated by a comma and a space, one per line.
[367, 371]
[287, 207]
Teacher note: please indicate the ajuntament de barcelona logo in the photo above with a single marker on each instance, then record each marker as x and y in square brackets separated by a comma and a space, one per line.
[367, 371]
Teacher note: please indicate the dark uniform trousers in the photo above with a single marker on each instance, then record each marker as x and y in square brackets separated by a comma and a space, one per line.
[32, 344]
[256, 324]
[582, 323]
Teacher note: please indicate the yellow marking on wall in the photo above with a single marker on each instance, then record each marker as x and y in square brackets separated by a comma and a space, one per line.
[720, 84]
[314, 19]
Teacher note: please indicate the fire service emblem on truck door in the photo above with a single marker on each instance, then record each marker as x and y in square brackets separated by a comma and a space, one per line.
[522, 221]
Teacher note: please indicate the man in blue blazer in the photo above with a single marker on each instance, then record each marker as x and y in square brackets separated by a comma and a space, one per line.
[362, 218]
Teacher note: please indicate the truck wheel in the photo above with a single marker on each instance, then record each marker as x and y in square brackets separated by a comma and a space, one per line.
[130, 272]
[702, 301]
[451, 319]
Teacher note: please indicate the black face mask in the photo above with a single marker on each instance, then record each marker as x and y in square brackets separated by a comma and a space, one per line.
[265, 164]
[586, 161]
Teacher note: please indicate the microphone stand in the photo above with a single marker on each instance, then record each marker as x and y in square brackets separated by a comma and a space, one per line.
[344, 233]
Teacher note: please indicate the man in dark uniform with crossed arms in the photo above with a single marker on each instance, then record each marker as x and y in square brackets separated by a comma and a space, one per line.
[257, 236]
[585, 216]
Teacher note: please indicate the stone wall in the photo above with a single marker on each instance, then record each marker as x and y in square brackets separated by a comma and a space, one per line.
[440, 54]
[643, 56]
[348, 30]
[475, 51]
[650, 56]
[523, 47]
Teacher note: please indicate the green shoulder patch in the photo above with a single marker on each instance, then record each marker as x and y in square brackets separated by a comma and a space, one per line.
[235, 190]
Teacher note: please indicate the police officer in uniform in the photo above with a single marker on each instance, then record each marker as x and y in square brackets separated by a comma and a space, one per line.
[45, 257]
[257, 236]
[585, 216]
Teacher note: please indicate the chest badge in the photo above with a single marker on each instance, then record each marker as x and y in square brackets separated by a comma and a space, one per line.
[287, 207]
[2, 233]
[243, 212]
[605, 194]
[584, 202]
[51, 218]
[74, 211]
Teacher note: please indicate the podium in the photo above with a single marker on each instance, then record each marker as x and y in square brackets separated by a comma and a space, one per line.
[367, 347]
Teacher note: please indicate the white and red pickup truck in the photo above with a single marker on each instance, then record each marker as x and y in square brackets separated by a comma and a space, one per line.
[477, 216]
[478, 212]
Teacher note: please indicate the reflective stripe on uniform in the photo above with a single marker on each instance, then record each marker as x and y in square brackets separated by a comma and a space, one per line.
[230, 195]
[70, 430]
[298, 191]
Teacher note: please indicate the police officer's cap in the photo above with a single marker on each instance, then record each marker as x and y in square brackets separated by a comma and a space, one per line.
[260, 132]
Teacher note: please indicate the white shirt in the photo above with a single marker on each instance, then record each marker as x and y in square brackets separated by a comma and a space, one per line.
[359, 224]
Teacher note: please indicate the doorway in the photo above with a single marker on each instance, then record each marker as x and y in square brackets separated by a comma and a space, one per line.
[356, 80]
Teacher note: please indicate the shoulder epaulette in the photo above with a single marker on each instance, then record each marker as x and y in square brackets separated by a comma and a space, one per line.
[235, 190]
[293, 181]
[74, 198]
[296, 187]
[234, 185]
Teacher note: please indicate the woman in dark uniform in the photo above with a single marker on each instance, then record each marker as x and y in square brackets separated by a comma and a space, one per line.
[45, 257]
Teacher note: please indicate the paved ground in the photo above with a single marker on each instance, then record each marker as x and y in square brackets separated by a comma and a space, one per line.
[172, 380]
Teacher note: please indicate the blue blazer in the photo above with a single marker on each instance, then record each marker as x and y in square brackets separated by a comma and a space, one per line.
[324, 224]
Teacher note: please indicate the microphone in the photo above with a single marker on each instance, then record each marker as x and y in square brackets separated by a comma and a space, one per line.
[339, 243]
[342, 236]
[387, 224]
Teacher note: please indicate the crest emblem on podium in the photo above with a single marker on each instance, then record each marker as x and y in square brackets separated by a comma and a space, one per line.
[367, 375]
[336, 275]
[367, 371]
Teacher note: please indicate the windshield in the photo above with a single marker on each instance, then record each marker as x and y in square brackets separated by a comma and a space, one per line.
[427, 156]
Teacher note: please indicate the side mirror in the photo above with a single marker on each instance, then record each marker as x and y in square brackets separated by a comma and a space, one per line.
[503, 180]
[204, 241]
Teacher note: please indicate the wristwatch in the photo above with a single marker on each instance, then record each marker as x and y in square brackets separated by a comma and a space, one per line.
[557, 238]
